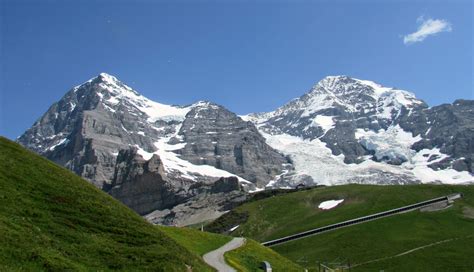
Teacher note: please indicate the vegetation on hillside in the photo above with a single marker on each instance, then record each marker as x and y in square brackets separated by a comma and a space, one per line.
[250, 257]
[447, 234]
[52, 220]
[194, 240]
[246, 258]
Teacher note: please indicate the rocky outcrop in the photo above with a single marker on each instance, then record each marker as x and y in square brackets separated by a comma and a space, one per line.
[449, 127]
[142, 185]
[215, 136]
[209, 203]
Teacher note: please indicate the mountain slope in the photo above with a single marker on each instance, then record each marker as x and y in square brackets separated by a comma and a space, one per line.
[347, 130]
[50, 219]
[87, 128]
[290, 213]
[154, 157]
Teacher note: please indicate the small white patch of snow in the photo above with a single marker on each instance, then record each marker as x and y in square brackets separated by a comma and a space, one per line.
[256, 190]
[73, 106]
[61, 142]
[325, 122]
[144, 154]
[428, 131]
[234, 228]
[329, 204]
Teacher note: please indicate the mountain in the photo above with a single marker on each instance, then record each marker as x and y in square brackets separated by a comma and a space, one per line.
[347, 130]
[187, 164]
[154, 157]
[52, 220]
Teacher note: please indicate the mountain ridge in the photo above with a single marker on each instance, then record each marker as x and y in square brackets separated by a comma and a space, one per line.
[343, 130]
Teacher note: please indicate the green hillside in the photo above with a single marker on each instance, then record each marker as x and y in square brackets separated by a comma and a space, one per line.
[52, 220]
[245, 258]
[194, 240]
[249, 257]
[445, 239]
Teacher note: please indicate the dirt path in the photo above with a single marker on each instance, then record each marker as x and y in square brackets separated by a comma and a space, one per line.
[216, 259]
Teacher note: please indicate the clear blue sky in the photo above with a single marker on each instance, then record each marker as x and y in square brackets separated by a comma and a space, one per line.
[246, 55]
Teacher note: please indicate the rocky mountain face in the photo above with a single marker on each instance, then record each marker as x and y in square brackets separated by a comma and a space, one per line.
[186, 164]
[218, 137]
[152, 156]
[377, 134]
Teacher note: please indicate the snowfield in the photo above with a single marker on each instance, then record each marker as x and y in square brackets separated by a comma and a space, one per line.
[315, 159]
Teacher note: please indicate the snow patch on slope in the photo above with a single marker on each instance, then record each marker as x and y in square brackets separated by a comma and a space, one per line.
[315, 159]
[61, 142]
[419, 165]
[172, 162]
[155, 111]
[393, 143]
[325, 122]
[329, 204]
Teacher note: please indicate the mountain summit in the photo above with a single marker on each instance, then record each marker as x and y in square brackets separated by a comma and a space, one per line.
[347, 130]
[153, 156]
[184, 164]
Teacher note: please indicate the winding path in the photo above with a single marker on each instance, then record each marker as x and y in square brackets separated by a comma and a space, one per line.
[216, 259]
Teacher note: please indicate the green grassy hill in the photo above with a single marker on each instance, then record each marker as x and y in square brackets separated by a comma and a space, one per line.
[52, 220]
[245, 258]
[445, 239]
[194, 240]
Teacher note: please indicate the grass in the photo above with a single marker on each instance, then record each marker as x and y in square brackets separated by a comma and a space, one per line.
[246, 258]
[52, 220]
[250, 256]
[287, 214]
[194, 240]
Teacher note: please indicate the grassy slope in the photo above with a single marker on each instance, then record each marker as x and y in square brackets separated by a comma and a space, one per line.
[194, 240]
[245, 258]
[287, 214]
[250, 256]
[50, 219]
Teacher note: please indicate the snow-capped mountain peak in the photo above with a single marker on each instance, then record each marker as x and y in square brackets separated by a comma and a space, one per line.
[154, 156]
[116, 117]
[107, 77]
[353, 91]
[355, 121]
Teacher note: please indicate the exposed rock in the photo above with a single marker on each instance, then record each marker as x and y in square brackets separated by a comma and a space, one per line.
[108, 133]
[217, 137]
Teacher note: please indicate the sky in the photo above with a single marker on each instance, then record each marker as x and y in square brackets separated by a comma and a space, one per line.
[249, 56]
